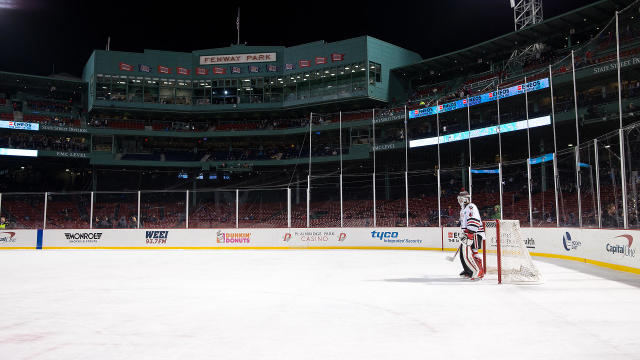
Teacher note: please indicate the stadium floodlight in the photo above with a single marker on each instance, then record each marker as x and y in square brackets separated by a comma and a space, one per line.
[525, 13]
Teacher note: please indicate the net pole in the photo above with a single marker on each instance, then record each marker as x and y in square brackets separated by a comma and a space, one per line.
[308, 197]
[406, 165]
[593, 192]
[288, 207]
[237, 208]
[406, 195]
[529, 191]
[44, 220]
[373, 126]
[469, 141]
[499, 253]
[556, 177]
[341, 198]
[90, 211]
[138, 222]
[623, 172]
[186, 208]
[499, 150]
[555, 148]
[439, 191]
[309, 174]
[470, 184]
[577, 155]
[623, 180]
[438, 135]
[597, 165]
[526, 107]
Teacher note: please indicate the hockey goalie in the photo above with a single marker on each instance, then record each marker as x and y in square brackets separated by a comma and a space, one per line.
[471, 241]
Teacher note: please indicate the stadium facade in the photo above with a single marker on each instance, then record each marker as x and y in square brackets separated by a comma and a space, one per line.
[357, 132]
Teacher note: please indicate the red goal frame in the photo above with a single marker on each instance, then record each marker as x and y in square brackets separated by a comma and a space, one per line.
[484, 249]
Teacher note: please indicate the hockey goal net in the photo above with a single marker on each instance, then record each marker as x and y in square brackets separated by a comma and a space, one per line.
[506, 255]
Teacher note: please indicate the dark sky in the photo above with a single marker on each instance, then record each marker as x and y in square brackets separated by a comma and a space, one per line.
[64, 33]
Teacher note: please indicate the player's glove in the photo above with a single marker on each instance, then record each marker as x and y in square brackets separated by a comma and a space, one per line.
[468, 237]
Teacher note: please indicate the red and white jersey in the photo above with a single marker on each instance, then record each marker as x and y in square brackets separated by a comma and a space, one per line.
[470, 219]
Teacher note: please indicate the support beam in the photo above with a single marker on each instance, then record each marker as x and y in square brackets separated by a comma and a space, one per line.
[597, 165]
[90, 212]
[138, 225]
[555, 148]
[623, 172]
[289, 207]
[186, 208]
[406, 163]
[577, 155]
[44, 221]
[237, 208]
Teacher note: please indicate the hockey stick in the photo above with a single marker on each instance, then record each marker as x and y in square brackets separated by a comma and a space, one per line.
[451, 258]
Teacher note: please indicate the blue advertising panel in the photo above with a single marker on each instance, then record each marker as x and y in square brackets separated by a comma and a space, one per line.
[18, 125]
[482, 98]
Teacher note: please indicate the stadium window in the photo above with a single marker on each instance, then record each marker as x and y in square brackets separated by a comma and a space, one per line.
[103, 87]
[167, 91]
[374, 73]
[184, 92]
[358, 78]
[118, 89]
[344, 82]
[135, 89]
[151, 94]
[202, 92]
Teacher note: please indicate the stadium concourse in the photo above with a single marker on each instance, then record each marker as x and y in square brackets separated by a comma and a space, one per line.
[305, 304]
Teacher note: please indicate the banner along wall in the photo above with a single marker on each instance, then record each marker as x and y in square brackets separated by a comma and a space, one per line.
[19, 239]
[365, 238]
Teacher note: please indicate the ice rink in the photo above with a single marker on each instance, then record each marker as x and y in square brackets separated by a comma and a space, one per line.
[305, 304]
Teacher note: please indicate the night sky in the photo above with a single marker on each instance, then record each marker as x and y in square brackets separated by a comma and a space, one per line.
[41, 33]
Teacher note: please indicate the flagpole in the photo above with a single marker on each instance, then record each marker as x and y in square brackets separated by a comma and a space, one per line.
[238, 25]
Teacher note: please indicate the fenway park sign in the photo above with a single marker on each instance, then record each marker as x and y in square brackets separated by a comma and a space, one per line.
[237, 58]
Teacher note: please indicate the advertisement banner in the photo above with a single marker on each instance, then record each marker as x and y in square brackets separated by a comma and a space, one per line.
[19, 125]
[244, 238]
[18, 239]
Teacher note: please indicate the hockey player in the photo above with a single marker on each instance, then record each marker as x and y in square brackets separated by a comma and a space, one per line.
[473, 230]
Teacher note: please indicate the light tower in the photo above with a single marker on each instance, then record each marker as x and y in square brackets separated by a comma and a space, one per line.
[525, 13]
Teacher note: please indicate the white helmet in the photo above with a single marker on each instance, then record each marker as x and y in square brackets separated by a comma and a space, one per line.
[464, 198]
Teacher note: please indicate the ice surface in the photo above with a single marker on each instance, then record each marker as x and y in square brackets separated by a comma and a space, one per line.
[305, 304]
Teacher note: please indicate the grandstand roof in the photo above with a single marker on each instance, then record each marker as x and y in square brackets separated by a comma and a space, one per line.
[595, 13]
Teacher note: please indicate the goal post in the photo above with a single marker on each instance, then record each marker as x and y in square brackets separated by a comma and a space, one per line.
[505, 253]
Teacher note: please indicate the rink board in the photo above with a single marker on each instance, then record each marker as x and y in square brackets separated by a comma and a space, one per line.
[616, 249]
